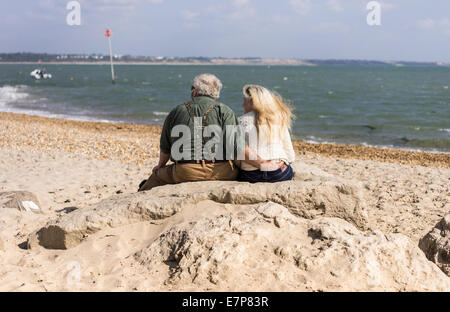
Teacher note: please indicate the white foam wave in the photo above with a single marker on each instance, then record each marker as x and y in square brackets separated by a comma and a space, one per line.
[314, 140]
[11, 94]
[32, 112]
[160, 113]
[445, 130]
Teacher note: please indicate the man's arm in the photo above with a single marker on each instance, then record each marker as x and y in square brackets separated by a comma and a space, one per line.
[164, 143]
[163, 159]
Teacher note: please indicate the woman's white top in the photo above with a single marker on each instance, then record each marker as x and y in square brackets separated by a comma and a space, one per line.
[277, 149]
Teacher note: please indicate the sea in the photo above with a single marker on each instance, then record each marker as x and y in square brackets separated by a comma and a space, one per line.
[384, 106]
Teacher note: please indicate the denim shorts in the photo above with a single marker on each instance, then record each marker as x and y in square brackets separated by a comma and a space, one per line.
[266, 176]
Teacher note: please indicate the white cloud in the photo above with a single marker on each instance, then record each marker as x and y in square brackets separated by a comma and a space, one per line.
[190, 18]
[242, 9]
[127, 2]
[231, 10]
[52, 3]
[40, 16]
[334, 5]
[436, 25]
[330, 27]
[340, 5]
[301, 7]
[47, 4]
[280, 19]
[426, 24]
[241, 3]
[388, 5]
[107, 5]
[189, 15]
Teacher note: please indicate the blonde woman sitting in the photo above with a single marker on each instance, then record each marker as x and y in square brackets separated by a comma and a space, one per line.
[269, 151]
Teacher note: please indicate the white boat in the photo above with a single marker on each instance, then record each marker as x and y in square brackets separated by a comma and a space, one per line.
[39, 74]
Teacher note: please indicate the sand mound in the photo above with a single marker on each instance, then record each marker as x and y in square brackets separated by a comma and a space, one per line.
[436, 244]
[266, 248]
[304, 172]
[310, 234]
[309, 197]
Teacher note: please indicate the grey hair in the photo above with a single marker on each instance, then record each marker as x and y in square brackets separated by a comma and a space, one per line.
[208, 84]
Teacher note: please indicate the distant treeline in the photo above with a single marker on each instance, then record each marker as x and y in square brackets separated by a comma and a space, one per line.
[369, 63]
[45, 57]
[26, 57]
[76, 58]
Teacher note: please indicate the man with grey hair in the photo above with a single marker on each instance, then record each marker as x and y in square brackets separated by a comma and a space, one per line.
[194, 162]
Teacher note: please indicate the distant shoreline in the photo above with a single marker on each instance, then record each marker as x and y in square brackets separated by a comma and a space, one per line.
[200, 61]
[293, 64]
[163, 63]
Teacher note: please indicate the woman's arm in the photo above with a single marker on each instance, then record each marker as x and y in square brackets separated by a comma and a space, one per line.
[252, 158]
[288, 148]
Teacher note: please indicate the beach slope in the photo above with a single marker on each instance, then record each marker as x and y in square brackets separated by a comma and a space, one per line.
[77, 169]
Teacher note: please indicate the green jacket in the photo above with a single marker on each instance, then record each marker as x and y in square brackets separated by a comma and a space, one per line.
[220, 115]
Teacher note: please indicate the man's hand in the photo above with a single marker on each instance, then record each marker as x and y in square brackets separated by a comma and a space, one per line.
[155, 170]
[163, 159]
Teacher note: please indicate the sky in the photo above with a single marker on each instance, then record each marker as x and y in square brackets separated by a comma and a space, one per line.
[410, 30]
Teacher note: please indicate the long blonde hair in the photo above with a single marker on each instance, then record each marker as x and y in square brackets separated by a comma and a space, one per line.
[273, 114]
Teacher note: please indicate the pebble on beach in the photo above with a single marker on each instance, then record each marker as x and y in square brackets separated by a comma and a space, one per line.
[140, 143]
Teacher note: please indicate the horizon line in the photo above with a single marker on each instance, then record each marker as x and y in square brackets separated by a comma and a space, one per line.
[230, 58]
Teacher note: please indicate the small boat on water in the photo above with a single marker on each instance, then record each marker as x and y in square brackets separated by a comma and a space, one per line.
[39, 74]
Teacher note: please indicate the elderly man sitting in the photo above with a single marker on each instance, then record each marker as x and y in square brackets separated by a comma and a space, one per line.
[194, 157]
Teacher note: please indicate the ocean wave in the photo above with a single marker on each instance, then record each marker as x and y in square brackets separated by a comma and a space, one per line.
[445, 130]
[315, 140]
[20, 100]
[39, 113]
[160, 113]
[11, 94]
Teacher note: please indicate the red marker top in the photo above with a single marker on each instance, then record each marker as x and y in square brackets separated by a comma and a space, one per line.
[108, 33]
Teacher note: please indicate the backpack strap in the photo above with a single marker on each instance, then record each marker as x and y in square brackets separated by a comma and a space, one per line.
[204, 118]
[189, 108]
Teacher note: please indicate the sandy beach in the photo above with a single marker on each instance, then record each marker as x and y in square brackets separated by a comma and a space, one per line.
[71, 165]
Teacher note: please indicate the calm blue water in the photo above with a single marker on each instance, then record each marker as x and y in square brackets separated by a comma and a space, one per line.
[404, 107]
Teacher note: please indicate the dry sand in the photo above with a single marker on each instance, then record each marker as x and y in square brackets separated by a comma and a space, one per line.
[69, 165]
